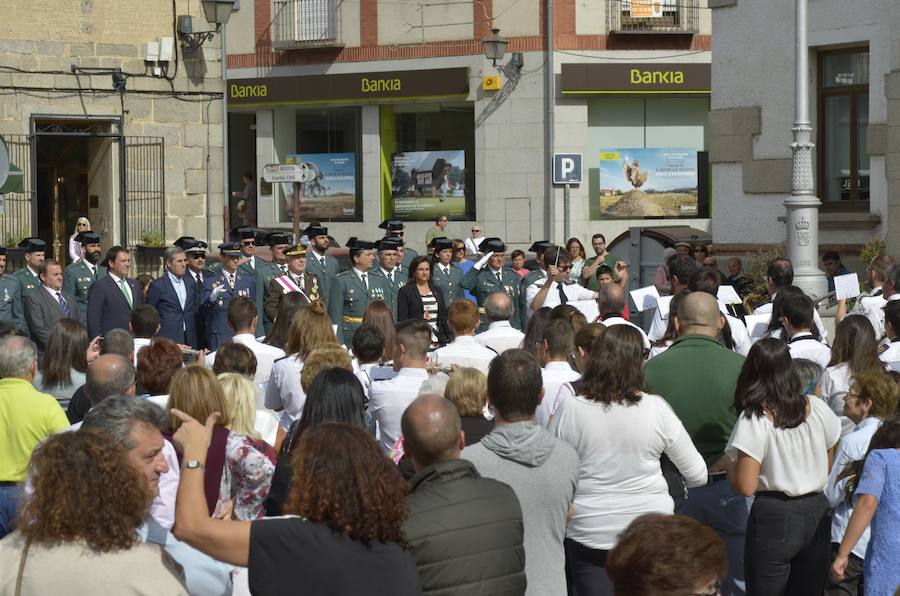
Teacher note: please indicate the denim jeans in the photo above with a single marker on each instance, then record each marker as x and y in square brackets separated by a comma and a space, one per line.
[9, 501]
[787, 548]
[720, 507]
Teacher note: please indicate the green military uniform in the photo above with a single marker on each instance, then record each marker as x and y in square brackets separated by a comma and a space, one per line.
[449, 283]
[26, 279]
[348, 299]
[265, 272]
[12, 308]
[77, 280]
[609, 260]
[485, 282]
[531, 278]
[408, 256]
[392, 285]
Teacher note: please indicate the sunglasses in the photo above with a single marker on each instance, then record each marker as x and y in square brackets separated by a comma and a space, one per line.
[249, 243]
[474, 231]
[196, 256]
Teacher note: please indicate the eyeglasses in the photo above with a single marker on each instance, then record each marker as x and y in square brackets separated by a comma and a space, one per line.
[699, 250]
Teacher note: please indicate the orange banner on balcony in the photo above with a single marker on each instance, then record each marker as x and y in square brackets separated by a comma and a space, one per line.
[646, 8]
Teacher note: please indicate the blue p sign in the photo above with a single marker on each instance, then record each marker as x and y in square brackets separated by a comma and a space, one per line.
[567, 168]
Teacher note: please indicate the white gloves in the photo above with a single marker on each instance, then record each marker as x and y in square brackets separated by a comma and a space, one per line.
[483, 261]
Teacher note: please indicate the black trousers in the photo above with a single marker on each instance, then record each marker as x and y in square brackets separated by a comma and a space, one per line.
[787, 548]
[853, 577]
[586, 570]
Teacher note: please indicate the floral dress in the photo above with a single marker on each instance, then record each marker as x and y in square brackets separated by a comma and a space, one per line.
[246, 477]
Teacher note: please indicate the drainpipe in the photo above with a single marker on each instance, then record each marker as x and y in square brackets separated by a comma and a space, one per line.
[549, 144]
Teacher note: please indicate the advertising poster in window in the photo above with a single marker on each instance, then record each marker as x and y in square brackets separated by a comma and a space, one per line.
[328, 194]
[425, 184]
[648, 182]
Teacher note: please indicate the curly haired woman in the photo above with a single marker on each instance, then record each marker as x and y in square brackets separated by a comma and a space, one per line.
[345, 537]
[85, 543]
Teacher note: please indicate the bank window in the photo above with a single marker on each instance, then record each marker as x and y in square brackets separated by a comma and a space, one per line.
[843, 106]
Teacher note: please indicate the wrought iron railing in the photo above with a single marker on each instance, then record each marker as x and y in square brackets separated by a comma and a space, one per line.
[16, 217]
[653, 16]
[305, 24]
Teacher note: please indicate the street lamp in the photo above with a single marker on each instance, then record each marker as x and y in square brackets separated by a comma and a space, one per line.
[494, 46]
[217, 13]
[802, 206]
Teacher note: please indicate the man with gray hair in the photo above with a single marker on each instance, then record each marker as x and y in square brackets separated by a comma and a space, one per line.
[173, 295]
[27, 417]
[110, 374]
[137, 426]
[118, 341]
[500, 334]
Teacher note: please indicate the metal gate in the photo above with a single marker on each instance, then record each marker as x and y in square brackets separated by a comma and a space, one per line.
[145, 199]
[16, 218]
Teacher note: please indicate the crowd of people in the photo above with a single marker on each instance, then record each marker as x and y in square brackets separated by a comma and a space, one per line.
[456, 422]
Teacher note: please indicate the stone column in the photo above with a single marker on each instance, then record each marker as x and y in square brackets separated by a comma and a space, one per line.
[803, 205]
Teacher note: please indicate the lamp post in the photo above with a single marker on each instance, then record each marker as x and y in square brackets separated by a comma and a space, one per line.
[803, 206]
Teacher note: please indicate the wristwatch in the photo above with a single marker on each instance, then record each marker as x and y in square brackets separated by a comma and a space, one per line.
[192, 464]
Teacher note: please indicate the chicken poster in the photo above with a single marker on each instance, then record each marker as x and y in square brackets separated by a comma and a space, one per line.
[642, 182]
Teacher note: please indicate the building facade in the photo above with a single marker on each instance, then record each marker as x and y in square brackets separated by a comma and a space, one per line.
[854, 82]
[389, 108]
[107, 115]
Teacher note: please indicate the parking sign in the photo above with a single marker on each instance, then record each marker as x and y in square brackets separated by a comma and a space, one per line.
[567, 168]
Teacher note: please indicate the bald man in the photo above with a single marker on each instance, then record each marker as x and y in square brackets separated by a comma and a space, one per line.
[108, 375]
[697, 376]
[500, 334]
[466, 532]
[611, 302]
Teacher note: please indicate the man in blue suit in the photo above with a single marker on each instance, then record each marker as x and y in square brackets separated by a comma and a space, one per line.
[114, 296]
[219, 290]
[174, 296]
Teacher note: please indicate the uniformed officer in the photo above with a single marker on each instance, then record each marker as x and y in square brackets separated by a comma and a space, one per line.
[490, 275]
[318, 262]
[266, 271]
[395, 228]
[35, 249]
[444, 274]
[297, 279]
[12, 309]
[387, 270]
[219, 290]
[353, 290]
[196, 255]
[81, 275]
[533, 276]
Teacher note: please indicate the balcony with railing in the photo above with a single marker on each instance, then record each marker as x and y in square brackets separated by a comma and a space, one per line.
[680, 17]
[299, 24]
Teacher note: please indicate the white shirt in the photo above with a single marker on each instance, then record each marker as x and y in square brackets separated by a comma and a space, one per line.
[500, 336]
[614, 489]
[764, 309]
[555, 375]
[126, 286]
[739, 335]
[804, 345]
[283, 392]
[871, 307]
[792, 460]
[362, 372]
[835, 385]
[853, 447]
[180, 290]
[139, 342]
[465, 351]
[617, 320]
[891, 351]
[472, 245]
[266, 356]
[573, 292]
[390, 399]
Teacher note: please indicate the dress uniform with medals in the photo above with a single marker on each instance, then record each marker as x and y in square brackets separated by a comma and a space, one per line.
[218, 292]
[81, 275]
[446, 277]
[393, 280]
[394, 228]
[305, 283]
[532, 277]
[353, 290]
[324, 267]
[484, 281]
[194, 248]
[28, 279]
[12, 308]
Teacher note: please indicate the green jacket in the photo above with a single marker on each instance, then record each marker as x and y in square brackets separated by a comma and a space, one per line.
[12, 308]
[77, 280]
[466, 532]
[484, 282]
[29, 282]
[697, 376]
[347, 301]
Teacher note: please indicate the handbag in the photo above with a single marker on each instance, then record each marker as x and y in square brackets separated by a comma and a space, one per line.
[21, 572]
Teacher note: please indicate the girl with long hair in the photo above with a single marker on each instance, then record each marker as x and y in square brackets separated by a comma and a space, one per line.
[64, 366]
[855, 351]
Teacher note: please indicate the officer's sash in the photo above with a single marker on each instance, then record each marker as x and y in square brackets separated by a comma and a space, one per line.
[288, 285]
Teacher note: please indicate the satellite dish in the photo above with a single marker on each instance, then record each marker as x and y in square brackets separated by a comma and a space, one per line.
[4, 162]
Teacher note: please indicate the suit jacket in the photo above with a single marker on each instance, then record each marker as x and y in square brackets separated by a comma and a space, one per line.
[409, 306]
[177, 323]
[309, 283]
[108, 307]
[216, 311]
[42, 312]
[199, 318]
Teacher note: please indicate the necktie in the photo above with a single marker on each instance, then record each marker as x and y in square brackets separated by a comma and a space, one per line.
[365, 282]
[391, 277]
[562, 293]
[63, 303]
[124, 287]
[199, 280]
[500, 278]
[231, 280]
[322, 261]
[446, 271]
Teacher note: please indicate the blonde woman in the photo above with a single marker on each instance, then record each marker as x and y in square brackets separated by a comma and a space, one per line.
[260, 426]
[241, 473]
[75, 251]
[467, 389]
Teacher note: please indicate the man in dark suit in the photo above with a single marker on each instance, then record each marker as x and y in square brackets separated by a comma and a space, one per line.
[297, 279]
[174, 297]
[219, 290]
[322, 265]
[48, 303]
[197, 271]
[113, 297]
